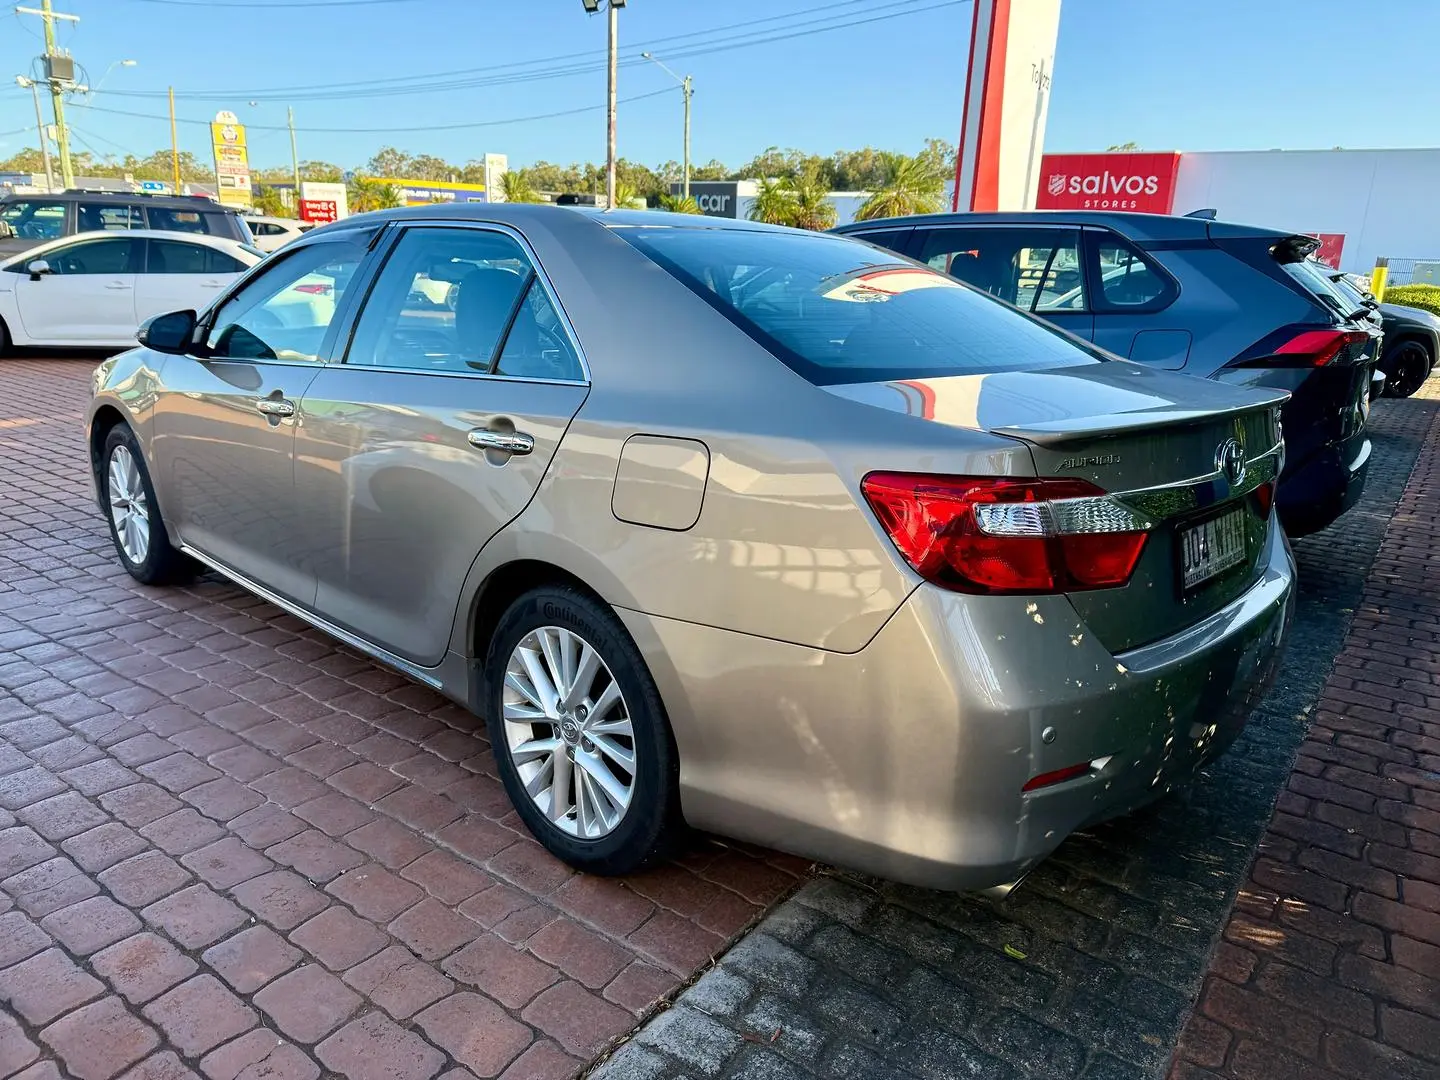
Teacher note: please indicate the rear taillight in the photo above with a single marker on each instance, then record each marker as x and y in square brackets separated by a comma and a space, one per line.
[1320, 347]
[1004, 535]
[313, 290]
[1265, 497]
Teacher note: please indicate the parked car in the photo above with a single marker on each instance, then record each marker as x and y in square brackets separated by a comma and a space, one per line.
[36, 219]
[770, 532]
[273, 233]
[1232, 303]
[94, 289]
[1412, 336]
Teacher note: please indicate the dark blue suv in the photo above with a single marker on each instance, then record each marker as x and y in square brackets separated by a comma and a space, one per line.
[1230, 302]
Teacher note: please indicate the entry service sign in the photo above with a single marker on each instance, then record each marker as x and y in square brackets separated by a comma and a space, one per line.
[1138, 182]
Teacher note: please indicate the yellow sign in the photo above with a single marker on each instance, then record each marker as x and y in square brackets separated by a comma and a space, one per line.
[232, 163]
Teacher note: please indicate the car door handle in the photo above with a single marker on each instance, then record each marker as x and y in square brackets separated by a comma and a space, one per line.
[210, 284]
[510, 442]
[276, 407]
[117, 285]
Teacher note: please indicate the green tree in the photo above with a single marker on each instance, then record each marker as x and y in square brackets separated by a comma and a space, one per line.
[913, 185]
[626, 194]
[367, 193]
[268, 200]
[428, 167]
[517, 188]
[26, 161]
[680, 204]
[714, 169]
[812, 207]
[1124, 146]
[774, 203]
[389, 162]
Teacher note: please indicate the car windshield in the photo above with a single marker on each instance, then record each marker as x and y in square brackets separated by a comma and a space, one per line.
[837, 311]
[35, 219]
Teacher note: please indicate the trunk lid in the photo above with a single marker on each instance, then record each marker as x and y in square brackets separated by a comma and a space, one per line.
[1154, 439]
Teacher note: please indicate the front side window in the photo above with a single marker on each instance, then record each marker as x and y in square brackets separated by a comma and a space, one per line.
[178, 257]
[107, 256]
[99, 217]
[1127, 278]
[1036, 269]
[35, 219]
[463, 301]
[840, 312]
[286, 312]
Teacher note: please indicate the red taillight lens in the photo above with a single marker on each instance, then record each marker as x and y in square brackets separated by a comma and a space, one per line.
[1320, 347]
[313, 290]
[1001, 535]
[1265, 498]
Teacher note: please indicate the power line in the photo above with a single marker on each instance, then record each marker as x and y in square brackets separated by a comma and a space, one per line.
[494, 74]
[406, 127]
[259, 5]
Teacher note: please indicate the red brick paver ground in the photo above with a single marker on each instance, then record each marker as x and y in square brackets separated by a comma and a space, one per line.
[1330, 965]
[231, 847]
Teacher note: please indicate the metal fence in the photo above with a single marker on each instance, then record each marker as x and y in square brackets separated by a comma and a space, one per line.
[1414, 272]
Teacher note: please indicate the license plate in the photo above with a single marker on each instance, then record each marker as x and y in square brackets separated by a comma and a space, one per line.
[1211, 548]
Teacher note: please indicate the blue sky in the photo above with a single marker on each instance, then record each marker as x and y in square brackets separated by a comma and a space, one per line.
[1168, 74]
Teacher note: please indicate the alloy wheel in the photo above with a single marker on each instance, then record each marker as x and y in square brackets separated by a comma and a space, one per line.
[568, 732]
[129, 509]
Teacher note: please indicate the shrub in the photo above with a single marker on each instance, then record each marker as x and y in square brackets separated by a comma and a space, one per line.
[1425, 297]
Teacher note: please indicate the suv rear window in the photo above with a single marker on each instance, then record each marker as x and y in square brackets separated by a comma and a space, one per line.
[1316, 281]
[836, 311]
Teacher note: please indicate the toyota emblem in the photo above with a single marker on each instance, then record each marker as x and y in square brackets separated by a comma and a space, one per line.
[1230, 460]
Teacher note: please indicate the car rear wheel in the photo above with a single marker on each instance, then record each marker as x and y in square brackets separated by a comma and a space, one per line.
[1406, 365]
[580, 734]
[140, 538]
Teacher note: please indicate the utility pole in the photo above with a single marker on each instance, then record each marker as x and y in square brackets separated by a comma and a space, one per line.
[57, 84]
[687, 87]
[294, 155]
[614, 13]
[174, 144]
[40, 130]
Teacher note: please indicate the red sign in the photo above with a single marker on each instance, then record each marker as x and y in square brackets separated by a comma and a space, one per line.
[320, 211]
[1138, 182]
[1331, 245]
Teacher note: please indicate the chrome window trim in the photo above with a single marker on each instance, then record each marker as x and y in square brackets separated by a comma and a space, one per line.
[1171, 500]
[541, 276]
[399, 663]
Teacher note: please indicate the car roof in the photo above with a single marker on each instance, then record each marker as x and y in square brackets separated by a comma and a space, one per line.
[167, 202]
[521, 213]
[224, 243]
[1142, 228]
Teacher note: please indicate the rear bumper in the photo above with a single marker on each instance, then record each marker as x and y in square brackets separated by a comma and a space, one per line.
[1325, 486]
[907, 759]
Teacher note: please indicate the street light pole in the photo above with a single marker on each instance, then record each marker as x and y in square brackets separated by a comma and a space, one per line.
[687, 87]
[614, 14]
[174, 145]
[40, 130]
[294, 154]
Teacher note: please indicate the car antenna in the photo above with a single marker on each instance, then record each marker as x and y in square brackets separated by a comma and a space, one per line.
[1205, 215]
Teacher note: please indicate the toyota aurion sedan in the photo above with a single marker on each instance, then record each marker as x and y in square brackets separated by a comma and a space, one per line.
[774, 534]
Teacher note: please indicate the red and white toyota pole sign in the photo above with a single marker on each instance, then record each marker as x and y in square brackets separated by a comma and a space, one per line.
[1138, 182]
[1007, 96]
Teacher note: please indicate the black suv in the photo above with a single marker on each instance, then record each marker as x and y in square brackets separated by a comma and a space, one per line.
[1233, 303]
[34, 219]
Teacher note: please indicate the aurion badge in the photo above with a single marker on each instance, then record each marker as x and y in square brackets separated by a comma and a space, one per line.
[1230, 460]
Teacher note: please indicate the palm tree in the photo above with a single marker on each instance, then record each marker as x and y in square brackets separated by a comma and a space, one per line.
[774, 203]
[813, 208]
[680, 204]
[517, 188]
[367, 193]
[625, 193]
[913, 185]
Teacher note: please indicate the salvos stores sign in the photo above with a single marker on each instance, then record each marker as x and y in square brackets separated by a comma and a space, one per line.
[1138, 182]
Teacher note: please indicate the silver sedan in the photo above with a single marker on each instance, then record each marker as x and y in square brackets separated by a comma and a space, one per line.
[772, 533]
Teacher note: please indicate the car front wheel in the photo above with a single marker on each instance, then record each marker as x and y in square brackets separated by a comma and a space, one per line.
[1406, 365]
[580, 734]
[140, 538]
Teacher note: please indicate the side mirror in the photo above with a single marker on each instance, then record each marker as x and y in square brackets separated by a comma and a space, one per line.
[7, 231]
[168, 333]
[38, 269]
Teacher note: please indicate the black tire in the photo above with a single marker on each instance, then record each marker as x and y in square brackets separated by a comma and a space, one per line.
[1406, 364]
[163, 563]
[4, 338]
[651, 825]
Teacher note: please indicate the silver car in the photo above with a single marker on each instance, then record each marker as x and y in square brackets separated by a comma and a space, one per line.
[777, 534]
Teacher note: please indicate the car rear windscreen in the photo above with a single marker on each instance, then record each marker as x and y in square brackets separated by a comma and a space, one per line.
[838, 311]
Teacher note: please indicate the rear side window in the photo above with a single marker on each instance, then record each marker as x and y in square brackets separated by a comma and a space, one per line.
[178, 257]
[840, 312]
[99, 217]
[1127, 279]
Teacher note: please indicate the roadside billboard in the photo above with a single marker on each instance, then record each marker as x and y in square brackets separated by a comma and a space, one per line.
[232, 161]
[1118, 181]
[1331, 247]
[425, 192]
